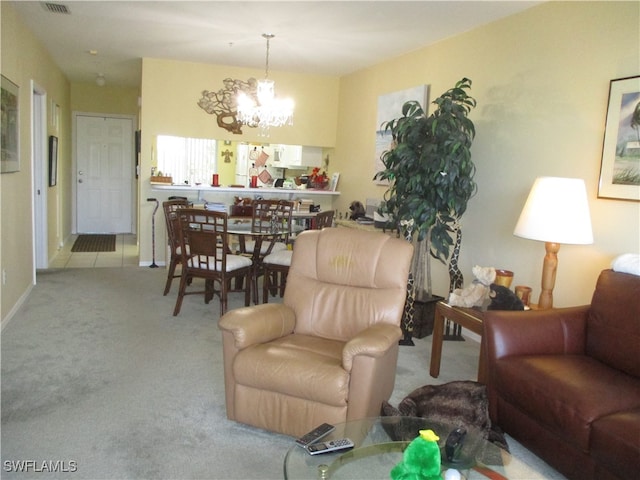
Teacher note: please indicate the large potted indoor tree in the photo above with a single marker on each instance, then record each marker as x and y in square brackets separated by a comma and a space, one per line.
[430, 174]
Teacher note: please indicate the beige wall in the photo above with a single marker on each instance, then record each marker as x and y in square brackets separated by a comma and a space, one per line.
[541, 79]
[107, 100]
[170, 94]
[90, 98]
[25, 60]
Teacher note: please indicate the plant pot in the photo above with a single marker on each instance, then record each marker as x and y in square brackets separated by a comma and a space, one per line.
[424, 314]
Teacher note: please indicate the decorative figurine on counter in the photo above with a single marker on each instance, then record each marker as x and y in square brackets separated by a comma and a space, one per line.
[421, 460]
[356, 210]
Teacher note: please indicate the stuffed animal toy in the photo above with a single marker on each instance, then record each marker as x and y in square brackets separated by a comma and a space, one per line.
[357, 210]
[421, 460]
[503, 299]
[627, 263]
[475, 294]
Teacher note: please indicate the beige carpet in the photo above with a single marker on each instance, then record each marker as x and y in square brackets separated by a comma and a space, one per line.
[97, 371]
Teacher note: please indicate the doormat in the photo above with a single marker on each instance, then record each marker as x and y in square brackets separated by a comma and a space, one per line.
[94, 243]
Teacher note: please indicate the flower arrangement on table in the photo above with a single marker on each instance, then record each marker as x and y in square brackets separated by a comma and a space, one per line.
[318, 180]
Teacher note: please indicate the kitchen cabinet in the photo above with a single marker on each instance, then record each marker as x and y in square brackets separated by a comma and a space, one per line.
[297, 156]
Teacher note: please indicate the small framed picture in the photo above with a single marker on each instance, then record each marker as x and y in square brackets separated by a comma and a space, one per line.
[10, 127]
[53, 161]
[333, 183]
[620, 168]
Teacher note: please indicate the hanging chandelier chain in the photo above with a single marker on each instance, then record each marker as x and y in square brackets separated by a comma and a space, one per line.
[268, 36]
[263, 110]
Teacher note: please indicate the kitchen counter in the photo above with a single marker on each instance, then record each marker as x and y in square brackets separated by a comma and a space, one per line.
[227, 195]
[241, 190]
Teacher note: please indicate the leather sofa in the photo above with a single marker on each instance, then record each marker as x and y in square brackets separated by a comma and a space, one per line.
[328, 352]
[566, 382]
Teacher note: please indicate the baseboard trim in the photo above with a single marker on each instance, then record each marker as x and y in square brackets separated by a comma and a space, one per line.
[470, 335]
[5, 321]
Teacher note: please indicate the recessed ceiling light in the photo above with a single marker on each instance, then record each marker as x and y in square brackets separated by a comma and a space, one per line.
[93, 52]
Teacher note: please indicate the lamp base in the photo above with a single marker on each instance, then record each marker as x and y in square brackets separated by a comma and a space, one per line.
[549, 268]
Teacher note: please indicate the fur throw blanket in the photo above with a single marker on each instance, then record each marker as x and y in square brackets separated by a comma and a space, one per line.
[454, 404]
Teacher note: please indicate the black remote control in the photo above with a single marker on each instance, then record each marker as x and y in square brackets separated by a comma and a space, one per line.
[315, 435]
[454, 443]
[331, 446]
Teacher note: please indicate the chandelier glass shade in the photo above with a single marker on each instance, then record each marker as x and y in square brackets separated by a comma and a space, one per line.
[264, 110]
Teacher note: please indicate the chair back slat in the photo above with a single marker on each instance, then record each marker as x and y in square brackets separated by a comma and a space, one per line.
[324, 219]
[204, 235]
[272, 216]
[170, 208]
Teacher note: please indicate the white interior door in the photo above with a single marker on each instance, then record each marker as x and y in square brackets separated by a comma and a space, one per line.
[104, 172]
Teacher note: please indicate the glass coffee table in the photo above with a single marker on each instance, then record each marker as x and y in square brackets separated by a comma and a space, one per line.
[379, 445]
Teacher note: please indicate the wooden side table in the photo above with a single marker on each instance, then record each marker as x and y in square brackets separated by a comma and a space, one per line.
[469, 318]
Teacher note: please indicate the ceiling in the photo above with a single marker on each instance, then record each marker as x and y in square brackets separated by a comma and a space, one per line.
[323, 37]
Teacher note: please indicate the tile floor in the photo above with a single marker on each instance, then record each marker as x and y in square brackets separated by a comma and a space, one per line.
[126, 255]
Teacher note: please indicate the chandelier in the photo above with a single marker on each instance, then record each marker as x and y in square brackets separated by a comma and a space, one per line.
[264, 110]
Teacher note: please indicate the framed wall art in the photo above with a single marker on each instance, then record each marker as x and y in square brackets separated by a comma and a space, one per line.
[333, 184]
[390, 107]
[53, 161]
[10, 126]
[620, 168]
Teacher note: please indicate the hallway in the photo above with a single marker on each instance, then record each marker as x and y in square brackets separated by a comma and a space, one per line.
[126, 255]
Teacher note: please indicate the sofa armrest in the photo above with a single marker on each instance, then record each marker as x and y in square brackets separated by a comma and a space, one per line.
[374, 341]
[258, 323]
[537, 332]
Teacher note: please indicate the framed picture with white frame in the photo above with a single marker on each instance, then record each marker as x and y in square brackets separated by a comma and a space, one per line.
[333, 183]
[620, 168]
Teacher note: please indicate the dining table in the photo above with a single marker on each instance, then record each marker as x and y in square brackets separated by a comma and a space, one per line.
[242, 227]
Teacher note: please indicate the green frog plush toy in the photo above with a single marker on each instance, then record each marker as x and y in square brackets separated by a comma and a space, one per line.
[421, 459]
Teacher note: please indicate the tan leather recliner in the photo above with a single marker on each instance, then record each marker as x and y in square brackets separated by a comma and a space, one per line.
[328, 353]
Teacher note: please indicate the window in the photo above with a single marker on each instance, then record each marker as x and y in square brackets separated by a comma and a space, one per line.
[187, 160]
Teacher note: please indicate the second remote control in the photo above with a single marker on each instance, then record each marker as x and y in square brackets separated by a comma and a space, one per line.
[315, 434]
[331, 446]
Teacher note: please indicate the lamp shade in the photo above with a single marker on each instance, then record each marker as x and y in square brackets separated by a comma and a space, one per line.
[556, 211]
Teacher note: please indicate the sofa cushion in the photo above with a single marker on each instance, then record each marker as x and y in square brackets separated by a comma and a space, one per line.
[615, 443]
[613, 321]
[566, 393]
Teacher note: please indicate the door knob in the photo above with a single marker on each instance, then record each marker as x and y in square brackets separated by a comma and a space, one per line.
[80, 181]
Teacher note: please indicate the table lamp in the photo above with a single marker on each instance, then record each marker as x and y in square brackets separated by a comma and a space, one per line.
[556, 212]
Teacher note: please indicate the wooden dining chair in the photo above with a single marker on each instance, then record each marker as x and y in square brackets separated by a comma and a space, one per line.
[170, 208]
[270, 228]
[276, 265]
[204, 235]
